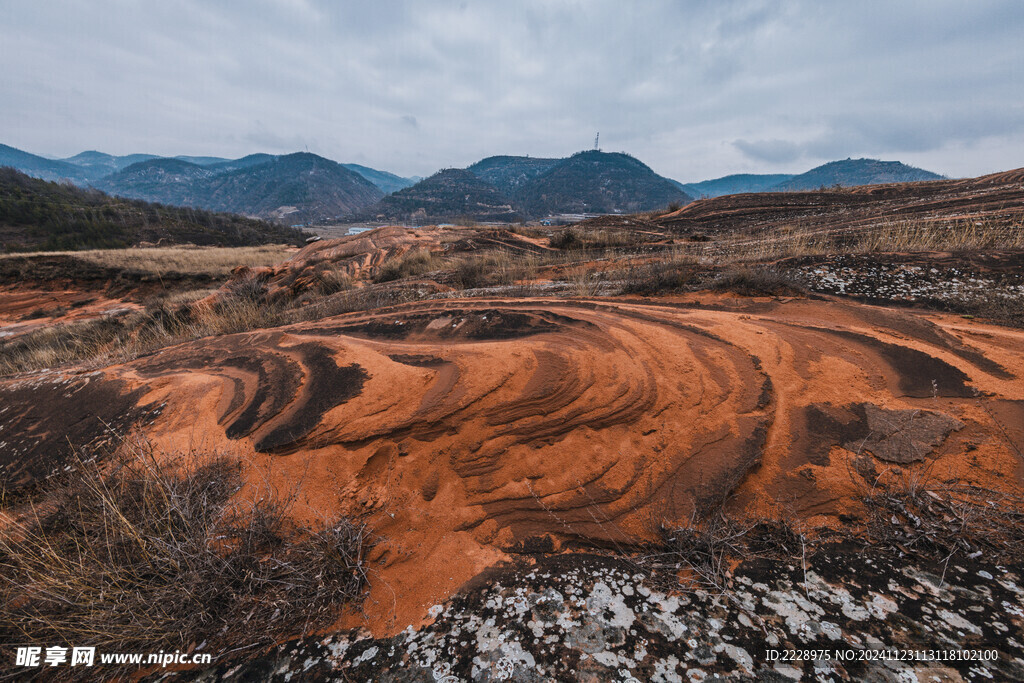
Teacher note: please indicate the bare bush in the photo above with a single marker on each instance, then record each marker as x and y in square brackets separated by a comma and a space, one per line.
[148, 556]
[658, 277]
[758, 282]
[940, 521]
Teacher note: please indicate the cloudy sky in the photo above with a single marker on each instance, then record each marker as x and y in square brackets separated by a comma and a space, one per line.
[694, 89]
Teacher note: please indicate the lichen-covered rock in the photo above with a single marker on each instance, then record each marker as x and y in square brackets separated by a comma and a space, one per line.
[576, 617]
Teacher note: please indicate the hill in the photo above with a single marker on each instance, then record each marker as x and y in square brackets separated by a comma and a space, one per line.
[734, 184]
[168, 181]
[40, 167]
[244, 162]
[98, 164]
[992, 200]
[385, 182]
[853, 172]
[295, 188]
[508, 173]
[38, 215]
[202, 161]
[597, 182]
[449, 194]
[183, 180]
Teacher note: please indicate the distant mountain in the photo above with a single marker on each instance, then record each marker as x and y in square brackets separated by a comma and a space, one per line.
[168, 181]
[202, 161]
[734, 184]
[597, 182]
[40, 167]
[40, 215]
[99, 164]
[244, 162]
[852, 172]
[385, 182]
[294, 188]
[508, 173]
[447, 195]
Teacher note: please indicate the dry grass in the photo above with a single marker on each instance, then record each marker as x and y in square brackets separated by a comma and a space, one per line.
[410, 264]
[757, 281]
[913, 514]
[213, 261]
[706, 548]
[574, 238]
[494, 268]
[887, 236]
[117, 339]
[147, 556]
[658, 277]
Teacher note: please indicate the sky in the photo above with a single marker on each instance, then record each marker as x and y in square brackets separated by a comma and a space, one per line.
[695, 89]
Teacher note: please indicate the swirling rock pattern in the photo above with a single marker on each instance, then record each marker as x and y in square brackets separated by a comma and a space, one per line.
[470, 430]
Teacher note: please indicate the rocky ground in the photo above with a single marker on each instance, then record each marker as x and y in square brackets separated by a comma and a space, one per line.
[839, 614]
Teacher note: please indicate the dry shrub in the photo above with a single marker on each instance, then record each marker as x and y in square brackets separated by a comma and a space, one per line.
[410, 264]
[147, 556]
[569, 238]
[493, 269]
[995, 304]
[215, 262]
[331, 281]
[577, 238]
[914, 515]
[120, 338]
[706, 547]
[758, 282]
[658, 277]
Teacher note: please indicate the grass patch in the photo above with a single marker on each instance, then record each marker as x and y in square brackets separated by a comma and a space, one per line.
[216, 262]
[147, 556]
[410, 264]
[121, 338]
[808, 239]
[658, 277]
[493, 269]
[577, 238]
[756, 281]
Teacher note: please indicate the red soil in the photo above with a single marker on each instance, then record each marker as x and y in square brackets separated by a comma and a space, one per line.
[471, 430]
[24, 308]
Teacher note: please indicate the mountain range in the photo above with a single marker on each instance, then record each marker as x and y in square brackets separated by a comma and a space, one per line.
[302, 188]
[734, 184]
[845, 173]
[449, 194]
[295, 189]
[508, 188]
[852, 172]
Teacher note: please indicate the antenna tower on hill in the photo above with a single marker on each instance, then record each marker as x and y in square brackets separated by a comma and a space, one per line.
[596, 139]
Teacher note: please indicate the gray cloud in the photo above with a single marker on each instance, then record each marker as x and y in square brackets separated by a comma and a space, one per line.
[772, 151]
[695, 89]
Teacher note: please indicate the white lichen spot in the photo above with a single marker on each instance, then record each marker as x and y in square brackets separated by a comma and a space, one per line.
[957, 621]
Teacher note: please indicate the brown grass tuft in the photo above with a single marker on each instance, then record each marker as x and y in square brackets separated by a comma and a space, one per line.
[149, 556]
